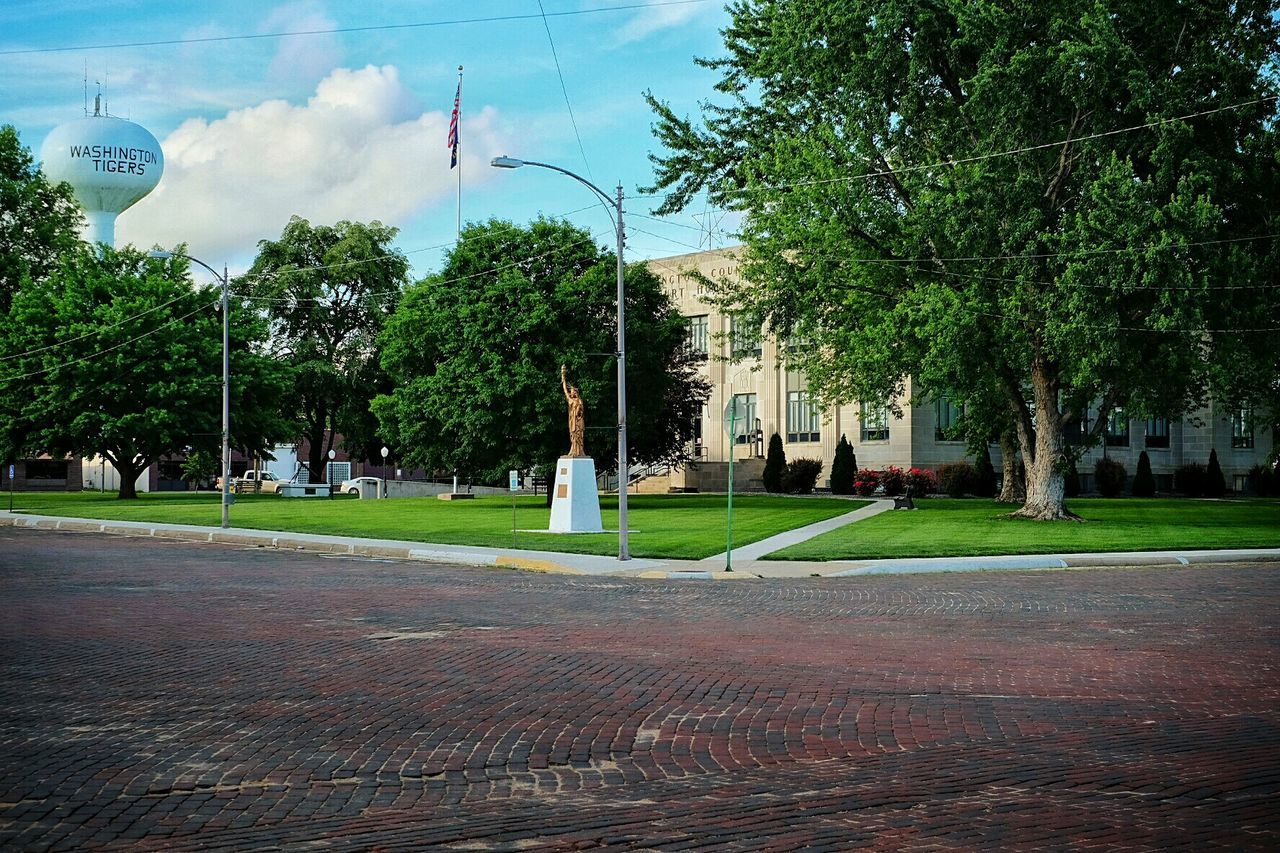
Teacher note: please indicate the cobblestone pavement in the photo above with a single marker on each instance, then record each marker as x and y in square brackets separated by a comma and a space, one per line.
[167, 696]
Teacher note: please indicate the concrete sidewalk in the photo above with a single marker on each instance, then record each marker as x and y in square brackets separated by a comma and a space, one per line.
[746, 560]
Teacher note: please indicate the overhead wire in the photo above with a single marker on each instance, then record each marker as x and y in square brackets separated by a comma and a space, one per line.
[344, 30]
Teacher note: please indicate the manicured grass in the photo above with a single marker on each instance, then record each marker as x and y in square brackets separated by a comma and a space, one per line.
[946, 528]
[672, 526]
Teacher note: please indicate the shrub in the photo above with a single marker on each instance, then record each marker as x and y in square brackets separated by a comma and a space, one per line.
[1215, 485]
[921, 481]
[1109, 475]
[1189, 480]
[844, 468]
[775, 465]
[866, 482]
[1071, 480]
[1144, 483]
[893, 480]
[801, 476]
[985, 482]
[1263, 481]
[957, 478]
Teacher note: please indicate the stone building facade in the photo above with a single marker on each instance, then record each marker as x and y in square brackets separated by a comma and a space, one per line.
[742, 363]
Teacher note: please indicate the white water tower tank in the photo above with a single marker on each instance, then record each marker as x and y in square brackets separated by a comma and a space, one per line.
[111, 163]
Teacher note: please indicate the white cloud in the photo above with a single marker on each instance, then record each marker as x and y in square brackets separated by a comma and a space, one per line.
[302, 58]
[655, 19]
[360, 149]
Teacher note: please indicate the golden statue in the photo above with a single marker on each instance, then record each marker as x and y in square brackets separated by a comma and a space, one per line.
[577, 415]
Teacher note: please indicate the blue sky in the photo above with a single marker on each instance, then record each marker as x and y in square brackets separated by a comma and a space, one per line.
[352, 125]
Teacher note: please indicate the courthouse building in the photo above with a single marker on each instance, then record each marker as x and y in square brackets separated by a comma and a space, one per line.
[743, 364]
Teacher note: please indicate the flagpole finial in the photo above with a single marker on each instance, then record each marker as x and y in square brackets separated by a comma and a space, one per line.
[459, 69]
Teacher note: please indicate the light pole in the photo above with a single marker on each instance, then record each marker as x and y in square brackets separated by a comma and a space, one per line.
[226, 380]
[616, 204]
[328, 475]
[385, 452]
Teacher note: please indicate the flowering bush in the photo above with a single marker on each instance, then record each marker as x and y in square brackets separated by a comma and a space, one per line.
[866, 482]
[921, 481]
[893, 480]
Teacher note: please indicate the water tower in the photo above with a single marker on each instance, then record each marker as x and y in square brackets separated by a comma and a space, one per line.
[111, 163]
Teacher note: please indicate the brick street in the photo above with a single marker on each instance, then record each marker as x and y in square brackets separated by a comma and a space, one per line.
[158, 695]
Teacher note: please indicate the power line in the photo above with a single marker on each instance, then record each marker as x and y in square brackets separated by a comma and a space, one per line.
[951, 162]
[97, 331]
[340, 30]
[573, 121]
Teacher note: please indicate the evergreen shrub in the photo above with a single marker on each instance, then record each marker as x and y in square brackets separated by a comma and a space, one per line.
[1109, 475]
[1190, 479]
[1071, 480]
[957, 478]
[775, 465]
[1215, 485]
[801, 476]
[985, 482]
[1144, 482]
[844, 468]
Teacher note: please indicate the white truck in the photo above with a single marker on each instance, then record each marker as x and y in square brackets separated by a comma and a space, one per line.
[255, 481]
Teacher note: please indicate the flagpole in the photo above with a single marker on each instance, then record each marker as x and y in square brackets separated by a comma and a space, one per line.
[459, 146]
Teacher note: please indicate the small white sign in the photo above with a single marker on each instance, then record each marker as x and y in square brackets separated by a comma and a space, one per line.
[10, 472]
[515, 480]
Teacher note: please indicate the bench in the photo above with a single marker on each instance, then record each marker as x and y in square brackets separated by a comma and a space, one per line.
[539, 483]
[904, 501]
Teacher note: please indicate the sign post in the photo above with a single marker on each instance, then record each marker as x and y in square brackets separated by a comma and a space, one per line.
[734, 424]
[11, 469]
[514, 486]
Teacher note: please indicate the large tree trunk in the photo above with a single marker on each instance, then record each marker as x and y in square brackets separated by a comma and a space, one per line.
[1013, 487]
[128, 472]
[1042, 451]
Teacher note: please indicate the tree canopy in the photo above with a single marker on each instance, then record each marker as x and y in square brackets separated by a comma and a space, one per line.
[116, 354]
[328, 290]
[38, 220]
[1060, 206]
[475, 353]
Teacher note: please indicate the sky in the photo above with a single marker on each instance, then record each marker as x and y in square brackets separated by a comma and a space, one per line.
[256, 126]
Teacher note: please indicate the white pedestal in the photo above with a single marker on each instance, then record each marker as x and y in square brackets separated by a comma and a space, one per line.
[575, 507]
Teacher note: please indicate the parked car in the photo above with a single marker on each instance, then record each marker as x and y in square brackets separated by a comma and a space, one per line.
[260, 481]
[352, 486]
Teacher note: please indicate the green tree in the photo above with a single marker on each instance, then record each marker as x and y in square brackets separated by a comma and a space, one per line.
[38, 220]
[844, 468]
[475, 354]
[1044, 199]
[116, 354]
[775, 465]
[328, 290]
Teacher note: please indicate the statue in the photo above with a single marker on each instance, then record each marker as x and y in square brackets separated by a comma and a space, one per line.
[577, 415]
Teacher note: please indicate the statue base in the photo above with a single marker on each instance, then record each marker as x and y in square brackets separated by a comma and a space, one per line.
[575, 507]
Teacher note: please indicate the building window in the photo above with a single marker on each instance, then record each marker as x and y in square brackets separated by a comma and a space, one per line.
[1117, 428]
[747, 404]
[1157, 432]
[744, 340]
[802, 417]
[875, 422]
[1242, 428]
[46, 469]
[946, 420]
[1076, 432]
[697, 332]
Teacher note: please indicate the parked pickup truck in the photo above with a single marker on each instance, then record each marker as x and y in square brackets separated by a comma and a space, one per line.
[254, 481]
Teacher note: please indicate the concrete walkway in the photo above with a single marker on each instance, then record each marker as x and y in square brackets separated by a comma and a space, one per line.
[746, 562]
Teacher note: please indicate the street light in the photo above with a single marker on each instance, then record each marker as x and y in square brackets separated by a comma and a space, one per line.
[505, 162]
[329, 473]
[385, 452]
[226, 380]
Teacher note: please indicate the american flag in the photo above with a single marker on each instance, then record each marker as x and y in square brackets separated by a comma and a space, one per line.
[453, 127]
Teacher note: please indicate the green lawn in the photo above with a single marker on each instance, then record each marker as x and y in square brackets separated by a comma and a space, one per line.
[672, 526]
[945, 528]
